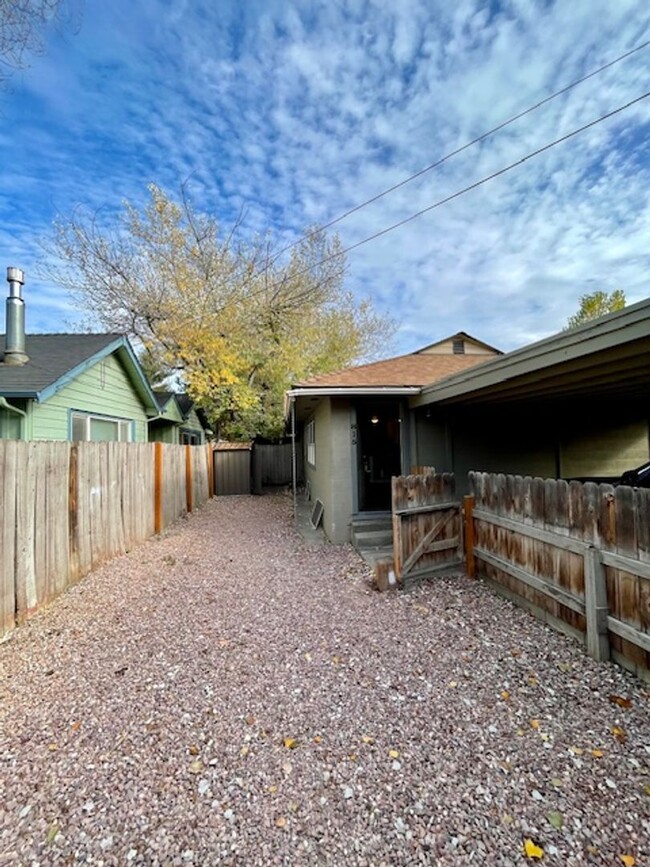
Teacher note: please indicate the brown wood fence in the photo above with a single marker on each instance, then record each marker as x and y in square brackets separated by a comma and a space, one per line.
[67, 507]
[577, 555]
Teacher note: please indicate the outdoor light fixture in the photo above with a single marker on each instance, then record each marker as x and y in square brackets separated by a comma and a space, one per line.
[374, 419]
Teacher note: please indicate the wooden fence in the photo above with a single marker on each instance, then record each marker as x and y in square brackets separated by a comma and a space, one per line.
[67, 507]
[577, 555]
[274, 463]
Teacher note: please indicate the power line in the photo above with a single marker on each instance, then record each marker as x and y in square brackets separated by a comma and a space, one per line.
[460, 149]
[476, 184]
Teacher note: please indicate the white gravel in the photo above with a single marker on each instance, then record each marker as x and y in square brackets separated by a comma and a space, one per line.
[228, 695]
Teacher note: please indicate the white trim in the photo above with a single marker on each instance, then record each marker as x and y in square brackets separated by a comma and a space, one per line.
[124, 424]
[353, 391]
[310, 442]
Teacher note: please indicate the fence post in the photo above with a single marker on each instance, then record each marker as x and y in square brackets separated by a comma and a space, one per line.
[468, 509]
[157, 488]
[596, 608]
[188, 477]
[210, 459]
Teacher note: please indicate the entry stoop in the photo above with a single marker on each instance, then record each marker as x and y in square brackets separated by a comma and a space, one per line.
[372, 536]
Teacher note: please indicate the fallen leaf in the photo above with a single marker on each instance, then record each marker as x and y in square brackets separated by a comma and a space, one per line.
[53, 747]
[290, 743]
[193, 750]
[532, 850]
[308, 657]
[244, 751]
[287, 767]
[317, 739]
[646, 789]
[507, 819]
[534, 723]
[272, 790]
[577, 751]
[593, 850]
[394, 754]
[619, 734]
[293, 806]
[336, 660]
[76, 726]
[367, 739]
[516, 652]
[421, 609]
[597, 754]
[52, 831]
[621, 702]
[557, 782]
[353, 757]
[520, 732]
[505, 695]
[564, 666]
[532, 681]
[196, 766]
[628, 860]
[453, 684]
[555, 819]
[280, 822]
[250, 720]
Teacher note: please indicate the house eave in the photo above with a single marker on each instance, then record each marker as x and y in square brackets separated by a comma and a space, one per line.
[355, 391]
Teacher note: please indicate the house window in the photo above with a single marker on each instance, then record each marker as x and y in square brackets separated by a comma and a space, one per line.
[458, 346]
[190, 438]
[10, 425]
[99, 428]
[310, 439]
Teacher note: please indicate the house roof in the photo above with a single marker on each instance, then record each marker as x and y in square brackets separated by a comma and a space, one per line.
[413, 370]
[610, 355]
[57, 359]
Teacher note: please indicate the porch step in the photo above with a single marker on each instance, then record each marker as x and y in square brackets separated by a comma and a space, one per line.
[372, 532]
[374, 555]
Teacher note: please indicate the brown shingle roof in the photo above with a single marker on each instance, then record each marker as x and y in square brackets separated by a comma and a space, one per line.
[414, 369]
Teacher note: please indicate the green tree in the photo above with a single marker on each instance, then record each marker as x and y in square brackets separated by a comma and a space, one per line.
[234, 323]
[597, 304]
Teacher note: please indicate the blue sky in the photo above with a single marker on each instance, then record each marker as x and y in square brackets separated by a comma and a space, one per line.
[297, 111]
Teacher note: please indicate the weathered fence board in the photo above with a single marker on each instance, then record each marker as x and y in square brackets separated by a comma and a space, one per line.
[427, 526]
[67, 507]
[576, 554]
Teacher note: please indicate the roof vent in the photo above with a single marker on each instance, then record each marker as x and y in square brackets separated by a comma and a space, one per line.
[15, 337]
[458, 346]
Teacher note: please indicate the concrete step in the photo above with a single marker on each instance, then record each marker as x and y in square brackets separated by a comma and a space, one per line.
[373, 555]
[369, 524]
[366, 539]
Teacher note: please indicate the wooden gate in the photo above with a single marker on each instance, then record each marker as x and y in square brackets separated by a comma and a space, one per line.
[427, 526]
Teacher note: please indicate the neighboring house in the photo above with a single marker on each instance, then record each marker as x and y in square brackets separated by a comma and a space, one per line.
[573, 406]
[69, 386]
[178, 420]
[357, 429]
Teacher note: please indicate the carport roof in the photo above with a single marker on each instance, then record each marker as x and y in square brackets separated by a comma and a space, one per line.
[610, 355]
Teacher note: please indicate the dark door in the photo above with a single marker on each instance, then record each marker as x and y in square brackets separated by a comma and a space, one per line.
[379, 451]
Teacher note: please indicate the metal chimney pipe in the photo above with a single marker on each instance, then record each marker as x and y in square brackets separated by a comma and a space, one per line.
[15, 336]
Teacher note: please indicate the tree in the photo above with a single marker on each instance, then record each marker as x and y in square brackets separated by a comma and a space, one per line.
[597, 304]
[235, 323]
[21, 29]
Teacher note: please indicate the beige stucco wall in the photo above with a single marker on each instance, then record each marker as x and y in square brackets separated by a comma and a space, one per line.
[446, 347]
[332, 479]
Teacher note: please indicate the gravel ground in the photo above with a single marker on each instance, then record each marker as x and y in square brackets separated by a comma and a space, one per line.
[226, 694]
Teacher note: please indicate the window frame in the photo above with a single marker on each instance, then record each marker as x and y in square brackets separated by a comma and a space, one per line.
[124, 425]
[310, 442]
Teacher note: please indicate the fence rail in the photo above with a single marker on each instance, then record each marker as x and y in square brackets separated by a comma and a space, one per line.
[578, 555]
[67, 507]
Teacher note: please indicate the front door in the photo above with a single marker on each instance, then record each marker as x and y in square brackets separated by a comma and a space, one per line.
[379, 453]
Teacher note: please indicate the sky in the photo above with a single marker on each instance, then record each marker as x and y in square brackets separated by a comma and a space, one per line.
[291, 113]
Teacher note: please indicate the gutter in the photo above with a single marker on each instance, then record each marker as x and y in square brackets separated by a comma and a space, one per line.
[353, 391]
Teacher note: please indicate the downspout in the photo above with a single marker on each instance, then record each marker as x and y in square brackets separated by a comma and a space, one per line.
[294, 463]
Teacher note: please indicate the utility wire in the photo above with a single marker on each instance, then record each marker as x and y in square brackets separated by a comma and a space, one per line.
[478, 183]
[460, 149]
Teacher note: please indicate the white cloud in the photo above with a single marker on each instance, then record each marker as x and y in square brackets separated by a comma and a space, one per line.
[298, 111]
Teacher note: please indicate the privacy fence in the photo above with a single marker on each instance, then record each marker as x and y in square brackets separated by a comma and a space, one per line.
[65, 508]
[577, 555]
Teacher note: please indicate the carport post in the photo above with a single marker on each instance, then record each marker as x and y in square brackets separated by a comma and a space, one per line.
[294, 466]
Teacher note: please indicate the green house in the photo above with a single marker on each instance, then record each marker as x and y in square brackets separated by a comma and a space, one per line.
[73, 387]
[178, 421]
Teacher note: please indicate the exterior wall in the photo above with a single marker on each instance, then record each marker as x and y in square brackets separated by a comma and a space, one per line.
[606, 449]
[446, 347]
[164, 433]
[193, 425]
[332, 478]
[104, 389]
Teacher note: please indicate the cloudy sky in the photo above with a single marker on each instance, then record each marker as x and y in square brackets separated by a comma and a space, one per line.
[297, 111]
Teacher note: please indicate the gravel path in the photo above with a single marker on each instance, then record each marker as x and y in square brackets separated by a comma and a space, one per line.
[227, 695]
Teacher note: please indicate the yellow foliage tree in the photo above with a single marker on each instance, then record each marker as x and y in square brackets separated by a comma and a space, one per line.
[597, 304]
[234, 322]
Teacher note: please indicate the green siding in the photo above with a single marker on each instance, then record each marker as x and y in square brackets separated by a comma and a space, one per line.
[193, 424]
[104, 389]
[164, 433]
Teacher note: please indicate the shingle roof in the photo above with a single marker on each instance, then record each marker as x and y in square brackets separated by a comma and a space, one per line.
[415, 369]
[51, 356]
